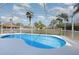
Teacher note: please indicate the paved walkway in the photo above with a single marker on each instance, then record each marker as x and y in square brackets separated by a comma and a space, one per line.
[16, 46]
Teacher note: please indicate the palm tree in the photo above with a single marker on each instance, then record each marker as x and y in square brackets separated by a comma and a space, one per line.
[77, 10]
[11, 21]
[29, 15]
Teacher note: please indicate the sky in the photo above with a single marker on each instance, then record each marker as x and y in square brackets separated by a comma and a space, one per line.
[17, 11]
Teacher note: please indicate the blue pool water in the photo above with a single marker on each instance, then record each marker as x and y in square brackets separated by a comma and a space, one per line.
[39, 41]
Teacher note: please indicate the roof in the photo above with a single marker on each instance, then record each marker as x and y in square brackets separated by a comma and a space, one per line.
[9, 25]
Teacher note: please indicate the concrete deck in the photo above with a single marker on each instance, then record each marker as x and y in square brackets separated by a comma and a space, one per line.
[19, 47]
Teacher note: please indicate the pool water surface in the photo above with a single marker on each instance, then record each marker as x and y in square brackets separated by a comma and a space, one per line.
[39, 41]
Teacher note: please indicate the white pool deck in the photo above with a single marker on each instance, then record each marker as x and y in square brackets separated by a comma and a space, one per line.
[19, 47]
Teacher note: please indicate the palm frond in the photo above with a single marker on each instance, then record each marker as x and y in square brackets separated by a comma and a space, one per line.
[77, 10]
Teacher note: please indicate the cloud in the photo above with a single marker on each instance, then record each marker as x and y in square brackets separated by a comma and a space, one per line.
[21, 6]
[20, 9]
[16, 19]
[19, 13]
[15, 7]
[45, 21]
[40, 18]
[42, 4]
[52, 17]
[6, 19]
[58, 10]
[70, 10]
[24, 5]
[69, 4]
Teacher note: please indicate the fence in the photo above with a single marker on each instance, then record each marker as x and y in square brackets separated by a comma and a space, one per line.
[41, 31]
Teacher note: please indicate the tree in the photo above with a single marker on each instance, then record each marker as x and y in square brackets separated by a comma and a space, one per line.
[39, 25]
[19, 24]
[53, 23]
[56, 22]
[59, 21]
[64, 17]
[11, 21]
[29, 15]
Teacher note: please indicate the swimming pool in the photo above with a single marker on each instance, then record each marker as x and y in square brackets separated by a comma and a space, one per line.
[39, 41]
